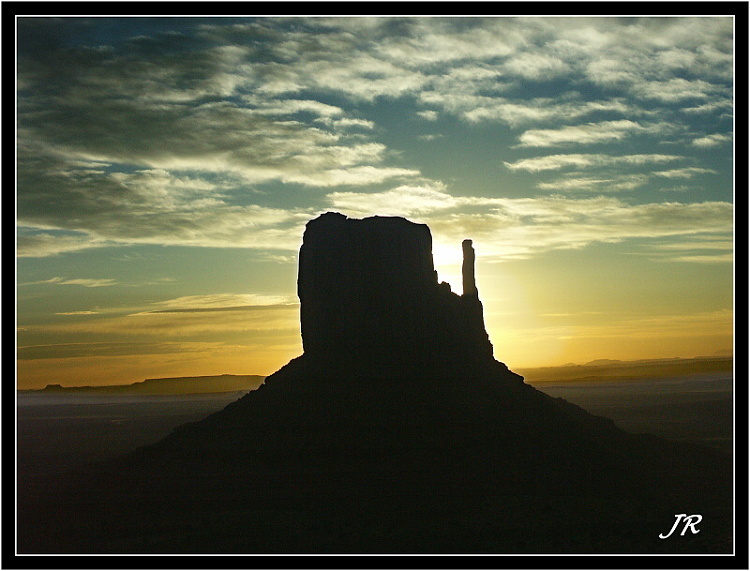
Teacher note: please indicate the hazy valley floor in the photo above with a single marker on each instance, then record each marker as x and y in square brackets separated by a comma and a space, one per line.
[56, 433]
[696, 409]
[59, 432]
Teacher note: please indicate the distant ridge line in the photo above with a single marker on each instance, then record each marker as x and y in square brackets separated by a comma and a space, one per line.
[165, 386]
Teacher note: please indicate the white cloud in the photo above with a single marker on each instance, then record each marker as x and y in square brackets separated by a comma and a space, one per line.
[557, 162]
[219, 301]
[712, 140]
[343, 124]
[687, 172]
[354, 176]
[85, 282]
[703, 249]
[428, 115]
[77, 313]
[518, 113]
[430, 41]
[591, 184]
[46, 244]
[705, 259]
[679, 89]
[407, 201]
[589, 133]
[537, 65]
[705, 243]
[617, 182]
[722, 106]
[293, 106]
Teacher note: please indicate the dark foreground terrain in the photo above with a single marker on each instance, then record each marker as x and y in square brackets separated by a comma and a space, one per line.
[230, 513]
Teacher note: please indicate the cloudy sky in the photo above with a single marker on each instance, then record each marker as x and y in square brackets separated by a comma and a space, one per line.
[167, 166]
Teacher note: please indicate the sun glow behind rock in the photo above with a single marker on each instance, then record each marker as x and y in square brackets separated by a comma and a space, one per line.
[447, 259]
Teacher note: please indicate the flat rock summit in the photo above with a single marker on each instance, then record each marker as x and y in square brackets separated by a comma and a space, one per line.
[396, 431]
[369, 295]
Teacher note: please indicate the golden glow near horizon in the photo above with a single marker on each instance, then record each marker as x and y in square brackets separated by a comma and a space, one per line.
[167, 167]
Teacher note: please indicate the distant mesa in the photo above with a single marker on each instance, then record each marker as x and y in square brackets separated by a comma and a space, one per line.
[166, 386]
[603, 362]
[396, 430]
[53, 388]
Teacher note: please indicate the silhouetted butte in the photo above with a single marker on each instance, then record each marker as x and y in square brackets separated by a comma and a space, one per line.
[370, 298]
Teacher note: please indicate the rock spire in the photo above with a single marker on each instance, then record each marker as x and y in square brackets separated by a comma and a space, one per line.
[467, 269]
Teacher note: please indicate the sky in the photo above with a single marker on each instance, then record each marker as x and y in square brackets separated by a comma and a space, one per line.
[166, 168]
